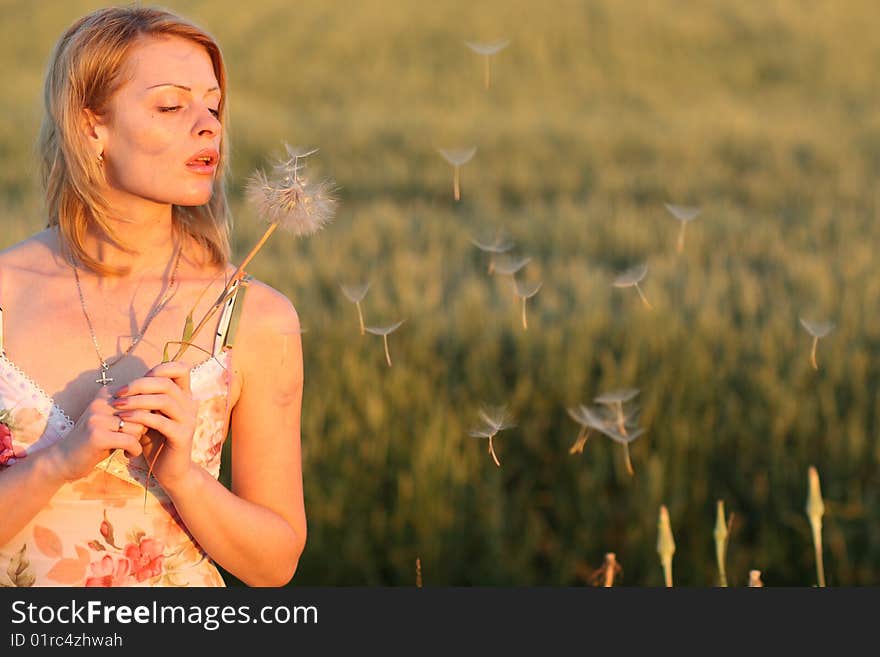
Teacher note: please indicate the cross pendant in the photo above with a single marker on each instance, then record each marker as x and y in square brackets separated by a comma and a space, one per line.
[104, 380]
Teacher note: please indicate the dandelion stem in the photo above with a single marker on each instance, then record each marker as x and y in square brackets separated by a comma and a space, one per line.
[387, 354]
[492, 452]
[455, 188]
[644, 298]
[361, 318]
[813, 354]
[524, 322]
[487, 71]
[418, 573]
[680, 246]
[237, 276]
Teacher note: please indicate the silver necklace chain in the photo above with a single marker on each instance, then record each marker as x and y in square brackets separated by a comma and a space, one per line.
[105, 364]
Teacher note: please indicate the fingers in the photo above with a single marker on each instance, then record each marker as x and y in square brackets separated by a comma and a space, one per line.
[160, 423]
[174, 370]
[165, 388]
[128, 426]
[164, 403]
[110, 440]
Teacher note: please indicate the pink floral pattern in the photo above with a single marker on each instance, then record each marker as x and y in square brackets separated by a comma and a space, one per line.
[98, 531]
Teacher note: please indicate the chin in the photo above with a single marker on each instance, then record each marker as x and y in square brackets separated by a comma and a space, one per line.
[194, 199]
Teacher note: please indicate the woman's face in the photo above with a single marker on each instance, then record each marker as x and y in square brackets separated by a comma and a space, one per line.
[161, 134]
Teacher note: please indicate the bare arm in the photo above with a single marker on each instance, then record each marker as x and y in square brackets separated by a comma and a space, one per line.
[34, 479]
[257, 530]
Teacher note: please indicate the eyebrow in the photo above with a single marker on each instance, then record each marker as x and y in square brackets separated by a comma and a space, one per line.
[180, 86]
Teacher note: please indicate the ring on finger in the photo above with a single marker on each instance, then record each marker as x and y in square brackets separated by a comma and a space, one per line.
[120, 426]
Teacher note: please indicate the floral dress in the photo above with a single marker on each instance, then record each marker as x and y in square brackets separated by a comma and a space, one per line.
[112, 527]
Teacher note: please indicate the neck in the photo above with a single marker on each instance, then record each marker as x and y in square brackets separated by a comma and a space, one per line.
[152, 238]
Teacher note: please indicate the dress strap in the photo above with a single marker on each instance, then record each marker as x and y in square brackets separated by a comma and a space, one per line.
[228, 324]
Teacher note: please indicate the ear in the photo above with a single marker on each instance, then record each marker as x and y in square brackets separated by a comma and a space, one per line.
[95, 130]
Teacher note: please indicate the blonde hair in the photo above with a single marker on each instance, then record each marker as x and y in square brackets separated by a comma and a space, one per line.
[85, 70]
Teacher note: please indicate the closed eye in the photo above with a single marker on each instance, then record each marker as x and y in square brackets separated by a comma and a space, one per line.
[216, 113]
[172, 108]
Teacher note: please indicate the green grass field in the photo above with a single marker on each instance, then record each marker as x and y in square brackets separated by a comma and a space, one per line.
[764, 115]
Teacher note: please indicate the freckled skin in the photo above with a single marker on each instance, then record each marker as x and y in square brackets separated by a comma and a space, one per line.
[146, 148]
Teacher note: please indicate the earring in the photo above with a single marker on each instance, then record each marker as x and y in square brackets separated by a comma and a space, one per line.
[100, 158]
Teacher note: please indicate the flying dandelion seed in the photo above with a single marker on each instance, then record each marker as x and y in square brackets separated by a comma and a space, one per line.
[494, 421]
[487, 50]
[587, 420]
[685, 215]
[385, 331]
[457, 157]
[631, 278]
[617, 396]
[621, 427]
[356, 294]
[525, 290]
[501, 244]
[508, 266]
[817, 330]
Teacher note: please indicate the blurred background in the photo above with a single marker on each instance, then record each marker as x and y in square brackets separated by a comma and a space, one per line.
[598, 113]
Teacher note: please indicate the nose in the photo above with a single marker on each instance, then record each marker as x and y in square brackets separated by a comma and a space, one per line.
[208, 124]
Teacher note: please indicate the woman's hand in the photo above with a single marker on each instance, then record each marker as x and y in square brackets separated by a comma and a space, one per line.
[97, 433]
[161, 400]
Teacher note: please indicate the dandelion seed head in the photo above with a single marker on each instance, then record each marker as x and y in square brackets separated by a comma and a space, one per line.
[290, 200]
[614, 396]
[500, 244]
[817, 329]
[457, 156]
[526, 289]
[489, 48]
[631, 276]
[507, 266]
[355, 293]
[497, 418]
[384, 330]
[682, 212]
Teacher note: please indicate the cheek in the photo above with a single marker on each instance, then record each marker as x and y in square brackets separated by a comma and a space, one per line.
[150, 163]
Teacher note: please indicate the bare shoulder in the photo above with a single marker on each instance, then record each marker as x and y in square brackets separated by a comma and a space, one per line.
[268, 322]
[269, 309]
[30, 262]
[34, 252]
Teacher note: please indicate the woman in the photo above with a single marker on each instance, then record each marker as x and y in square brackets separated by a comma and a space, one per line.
[133, 154]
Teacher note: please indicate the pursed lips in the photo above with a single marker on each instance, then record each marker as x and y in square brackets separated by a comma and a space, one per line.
[203, 162]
